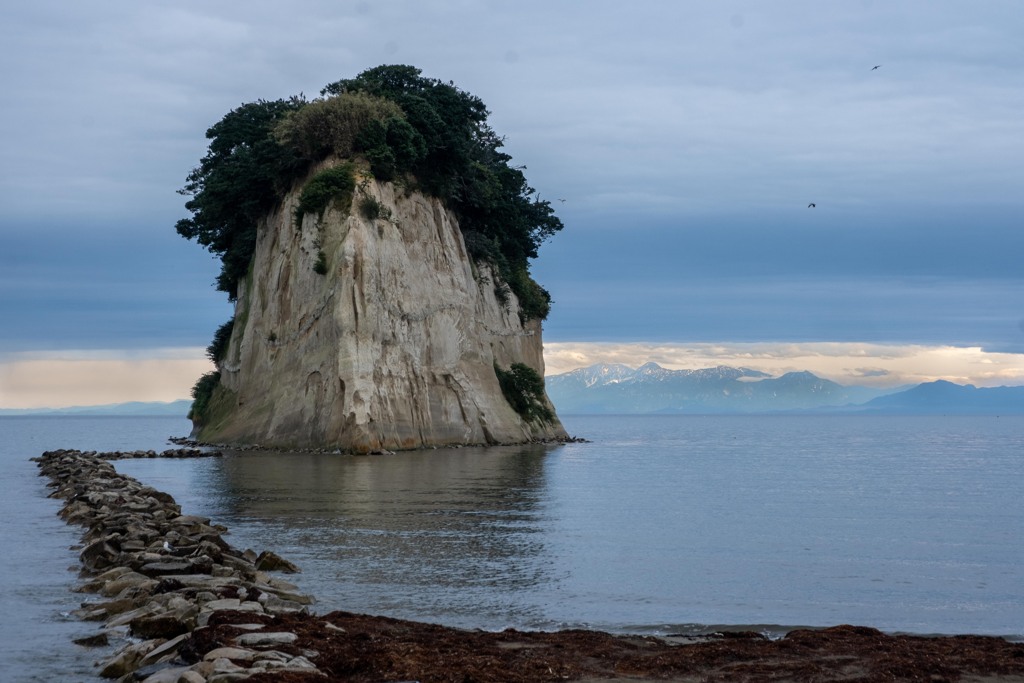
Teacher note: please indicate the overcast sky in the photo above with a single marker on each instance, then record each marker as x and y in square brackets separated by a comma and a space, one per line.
[686, 138]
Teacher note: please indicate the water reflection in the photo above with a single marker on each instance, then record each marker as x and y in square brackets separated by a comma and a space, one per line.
[660, 523]
[429, 534]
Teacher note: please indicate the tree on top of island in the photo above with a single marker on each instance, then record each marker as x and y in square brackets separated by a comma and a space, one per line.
[421, 132]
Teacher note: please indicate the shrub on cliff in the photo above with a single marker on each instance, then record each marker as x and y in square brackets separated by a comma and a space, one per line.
[331, 184]
[331, 126]
[218, 348]
[320, 267]
[372, 209]
[523, 388]
[201, 394]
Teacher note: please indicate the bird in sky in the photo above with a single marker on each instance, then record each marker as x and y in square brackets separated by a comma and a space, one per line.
[875, 67]
[811, 205]
[562, 200]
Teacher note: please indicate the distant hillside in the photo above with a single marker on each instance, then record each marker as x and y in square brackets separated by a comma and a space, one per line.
[132, 409]
[619, 389]
[946, 398]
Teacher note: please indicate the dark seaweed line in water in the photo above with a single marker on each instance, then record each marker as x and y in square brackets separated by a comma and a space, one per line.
[209, 613]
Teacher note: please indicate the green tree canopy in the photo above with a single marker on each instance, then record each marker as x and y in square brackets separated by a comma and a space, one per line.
[503, 220]
[425, 131]
[241, 178]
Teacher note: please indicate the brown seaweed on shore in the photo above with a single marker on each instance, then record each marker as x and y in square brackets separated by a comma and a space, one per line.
[368, 649]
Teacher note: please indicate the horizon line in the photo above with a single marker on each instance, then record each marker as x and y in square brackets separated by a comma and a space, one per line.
[73, 378]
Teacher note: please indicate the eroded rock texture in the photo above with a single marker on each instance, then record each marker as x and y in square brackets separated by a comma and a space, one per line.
[392, 347]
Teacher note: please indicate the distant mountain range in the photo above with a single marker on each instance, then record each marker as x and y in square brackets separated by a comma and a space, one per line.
[616, 389]
[652, 389]
[943, 397]
[178, 408]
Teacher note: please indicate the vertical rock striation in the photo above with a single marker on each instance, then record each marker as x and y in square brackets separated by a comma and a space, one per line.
[393, 347]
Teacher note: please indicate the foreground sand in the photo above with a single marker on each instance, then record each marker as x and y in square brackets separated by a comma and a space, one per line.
[364, 648]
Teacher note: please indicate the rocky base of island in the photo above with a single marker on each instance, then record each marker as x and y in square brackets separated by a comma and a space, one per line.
[198, 446]
[190, 608]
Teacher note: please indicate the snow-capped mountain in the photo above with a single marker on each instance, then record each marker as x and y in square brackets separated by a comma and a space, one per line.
[617, 388]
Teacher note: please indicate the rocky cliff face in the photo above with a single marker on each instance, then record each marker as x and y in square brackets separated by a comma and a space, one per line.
[392, 347]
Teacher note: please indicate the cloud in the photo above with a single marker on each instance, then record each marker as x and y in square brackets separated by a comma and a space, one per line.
[94, 377]
[892, 365]
[61, 379]
[97, 288]
[641, 298]
[870, 372]
[688, 139]
[677, 98]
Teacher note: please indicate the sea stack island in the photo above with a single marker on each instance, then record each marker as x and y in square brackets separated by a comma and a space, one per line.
[376, 243]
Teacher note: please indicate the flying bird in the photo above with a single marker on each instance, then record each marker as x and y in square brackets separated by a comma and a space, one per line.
[875, 67]
[811, 205]
[562, 200]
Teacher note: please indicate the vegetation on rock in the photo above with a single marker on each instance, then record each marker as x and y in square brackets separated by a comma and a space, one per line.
[523, 388]
[218, 348]
[326, 127]
[373, 209]
[202, 392]
[331, 184]
[320, 267]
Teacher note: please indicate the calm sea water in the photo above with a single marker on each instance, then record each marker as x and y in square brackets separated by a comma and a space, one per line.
[37, 566]
[659, 525]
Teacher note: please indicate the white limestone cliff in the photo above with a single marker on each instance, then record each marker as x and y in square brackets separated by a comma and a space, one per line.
[394, 347]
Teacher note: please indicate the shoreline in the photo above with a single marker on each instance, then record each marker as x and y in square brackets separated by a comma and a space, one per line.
[190, 443]
[209, 613]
